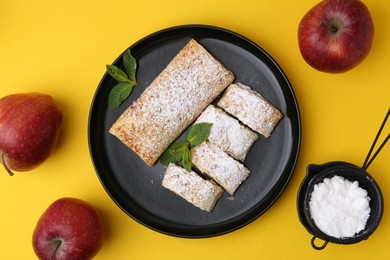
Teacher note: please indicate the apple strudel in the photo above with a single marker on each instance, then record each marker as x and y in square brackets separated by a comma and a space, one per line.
[175, 98]
[251, 108]
[202, 193]
[228, 133]
[219, 166]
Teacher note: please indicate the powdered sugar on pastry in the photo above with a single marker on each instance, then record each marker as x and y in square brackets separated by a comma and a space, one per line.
[223, 169]
[251, 108]
[190, 82]
[203, 194]
[227, 133]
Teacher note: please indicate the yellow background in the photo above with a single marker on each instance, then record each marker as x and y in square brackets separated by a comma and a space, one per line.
[61, 48]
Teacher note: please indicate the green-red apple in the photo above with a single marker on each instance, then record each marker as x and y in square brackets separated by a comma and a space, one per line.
[336, 35]
[30, 124]
[69, 229]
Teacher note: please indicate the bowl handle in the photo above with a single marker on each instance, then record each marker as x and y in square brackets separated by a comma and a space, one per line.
[318, 247]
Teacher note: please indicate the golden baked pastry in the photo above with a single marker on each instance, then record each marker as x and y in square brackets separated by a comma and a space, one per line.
[176, 97]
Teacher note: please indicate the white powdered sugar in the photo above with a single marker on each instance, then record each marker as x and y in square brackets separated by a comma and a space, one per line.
[175, 98]
[214, 162]
[228, 133]
[251, 108]
[339, 207]
[193, 188]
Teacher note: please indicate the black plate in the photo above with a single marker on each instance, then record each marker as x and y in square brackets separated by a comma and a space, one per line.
[136, 188]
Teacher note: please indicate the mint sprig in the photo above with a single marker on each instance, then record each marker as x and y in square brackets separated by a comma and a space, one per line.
[130, 64]
[127, 80]
[198, 133]
[174, 153]
[180, 151]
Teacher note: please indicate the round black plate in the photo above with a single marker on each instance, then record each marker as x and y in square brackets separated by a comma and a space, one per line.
[136, 188]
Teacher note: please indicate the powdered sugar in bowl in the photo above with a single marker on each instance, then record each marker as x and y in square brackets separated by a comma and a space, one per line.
[340, 203]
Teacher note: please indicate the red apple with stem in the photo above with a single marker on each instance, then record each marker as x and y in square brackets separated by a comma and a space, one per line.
[336, 35]
[30, 124]
[69, 229]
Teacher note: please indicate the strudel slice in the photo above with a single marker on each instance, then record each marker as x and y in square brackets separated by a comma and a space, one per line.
[219, 166]
[175, 98]
[251, 108]
[203, 194]
[228, 133]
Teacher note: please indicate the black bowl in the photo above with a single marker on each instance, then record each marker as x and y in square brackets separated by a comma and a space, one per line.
[316, 174]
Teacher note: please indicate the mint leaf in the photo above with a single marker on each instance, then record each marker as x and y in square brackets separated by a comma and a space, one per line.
[186, 159]
[130, 64]
[127, 81]
[117, 73]
[119, 93]
[199, 133]
[181, 151]
[174, 153]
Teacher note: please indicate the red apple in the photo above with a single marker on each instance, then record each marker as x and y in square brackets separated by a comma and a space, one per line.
[336, 35]
[71, 229]
[29, 128]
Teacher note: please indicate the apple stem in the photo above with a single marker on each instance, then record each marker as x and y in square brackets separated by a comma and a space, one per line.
[334, 28]
[58, 244]
[5, 166]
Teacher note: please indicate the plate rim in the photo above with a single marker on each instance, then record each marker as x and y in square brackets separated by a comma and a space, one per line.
[254, 214]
